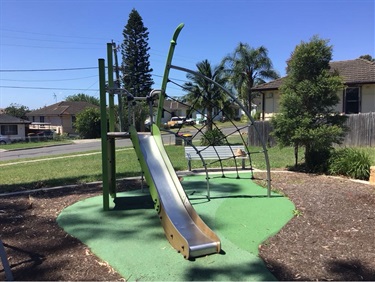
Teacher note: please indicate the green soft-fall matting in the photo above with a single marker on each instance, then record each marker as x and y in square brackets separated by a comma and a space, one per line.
[131, 239]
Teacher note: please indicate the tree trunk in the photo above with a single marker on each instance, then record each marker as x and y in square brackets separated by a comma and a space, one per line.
[295, 154]
[209, 118]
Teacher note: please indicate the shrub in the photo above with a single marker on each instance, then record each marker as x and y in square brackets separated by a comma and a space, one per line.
[60, 137]
[213, 138]
[87, 123]
[316, 160]
[350, 162]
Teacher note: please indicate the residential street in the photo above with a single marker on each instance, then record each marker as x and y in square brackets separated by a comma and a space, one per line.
[84, 145]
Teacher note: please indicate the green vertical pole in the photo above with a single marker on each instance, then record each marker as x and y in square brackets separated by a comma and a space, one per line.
[111, 102]
[111, 141]
[119, 97]
[103, 124]
[166, 74]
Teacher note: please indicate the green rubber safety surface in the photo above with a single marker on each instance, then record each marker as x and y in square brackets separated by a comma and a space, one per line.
[131, 239]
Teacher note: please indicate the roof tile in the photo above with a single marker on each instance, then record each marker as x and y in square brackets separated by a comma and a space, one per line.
[7, 119]
[62, 108]
[358, 71]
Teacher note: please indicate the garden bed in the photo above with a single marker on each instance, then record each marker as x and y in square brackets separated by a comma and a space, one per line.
[330, 238]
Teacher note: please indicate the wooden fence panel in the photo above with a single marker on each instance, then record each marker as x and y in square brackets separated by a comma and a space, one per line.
[361, 132]
[264, 128]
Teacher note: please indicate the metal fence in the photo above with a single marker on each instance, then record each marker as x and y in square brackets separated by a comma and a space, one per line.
[361, 131]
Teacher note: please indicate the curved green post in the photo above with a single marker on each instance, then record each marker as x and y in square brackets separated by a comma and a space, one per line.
[166, 74]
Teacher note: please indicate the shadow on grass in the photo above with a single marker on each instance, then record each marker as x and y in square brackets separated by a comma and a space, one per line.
[133, 203]
[231, 272]
[57, 182]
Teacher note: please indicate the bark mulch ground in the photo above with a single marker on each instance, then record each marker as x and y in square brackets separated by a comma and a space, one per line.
[332, 236]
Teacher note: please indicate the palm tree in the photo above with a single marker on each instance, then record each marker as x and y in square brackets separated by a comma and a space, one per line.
[203, 94]
[248, 67]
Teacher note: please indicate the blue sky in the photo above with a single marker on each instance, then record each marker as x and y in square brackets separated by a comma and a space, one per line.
[54, 34]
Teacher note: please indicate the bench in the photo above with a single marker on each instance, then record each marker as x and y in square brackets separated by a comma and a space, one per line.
[214, 153]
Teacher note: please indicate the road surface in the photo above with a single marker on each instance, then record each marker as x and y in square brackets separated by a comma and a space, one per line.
[78, 146]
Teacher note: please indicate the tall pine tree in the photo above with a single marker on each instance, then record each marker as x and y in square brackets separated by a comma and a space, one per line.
[135, 64]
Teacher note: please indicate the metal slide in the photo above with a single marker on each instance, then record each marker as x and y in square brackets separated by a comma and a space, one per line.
[183, 227]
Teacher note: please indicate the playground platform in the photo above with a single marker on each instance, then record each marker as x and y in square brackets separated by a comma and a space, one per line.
[131, 239]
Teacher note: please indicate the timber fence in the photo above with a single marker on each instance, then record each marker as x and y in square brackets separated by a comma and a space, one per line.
[361, 132]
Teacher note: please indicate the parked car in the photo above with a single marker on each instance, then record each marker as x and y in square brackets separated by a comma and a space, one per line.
[46, 133]
[189, 121]
[4, 140]
[176, 122]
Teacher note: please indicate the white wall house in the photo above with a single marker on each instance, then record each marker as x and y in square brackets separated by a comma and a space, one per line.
[59, 117]
[13, 127]
[357, 96]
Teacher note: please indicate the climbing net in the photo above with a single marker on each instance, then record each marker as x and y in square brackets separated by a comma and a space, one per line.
[211, 133]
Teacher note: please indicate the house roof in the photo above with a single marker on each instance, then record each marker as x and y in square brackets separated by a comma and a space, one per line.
[358, 71]
[62, 108]
[174, 105]
[7, 119]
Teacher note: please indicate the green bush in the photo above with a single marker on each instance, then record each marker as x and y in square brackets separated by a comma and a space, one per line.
[87, 123]
[350, 162]
[60, 137]
[257, 115]
[213, 137]
[316, 160]
[244, 118]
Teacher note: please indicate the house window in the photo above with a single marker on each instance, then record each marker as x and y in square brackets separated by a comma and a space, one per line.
[41, 118]
[352, 100]
[9, 129]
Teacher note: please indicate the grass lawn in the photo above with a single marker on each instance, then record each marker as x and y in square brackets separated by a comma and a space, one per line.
[87, 167]
[29, 145]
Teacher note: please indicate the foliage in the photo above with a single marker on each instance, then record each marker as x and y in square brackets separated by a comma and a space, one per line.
[248, 67]
[257, 115]
[297, 213]
[309, 94]
[203, 94]
[350, 162]
[84, 98]
[61, 137]
[17, 110]
[87, 123]
[367, 57]
[137, 78]
[214, 137]
[140, 111]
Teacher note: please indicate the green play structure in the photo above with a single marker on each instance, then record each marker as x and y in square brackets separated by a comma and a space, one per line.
[183, 227]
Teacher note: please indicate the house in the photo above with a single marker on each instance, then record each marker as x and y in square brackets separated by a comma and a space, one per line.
[59, 117]
[357, 96]
[13, 127]
[173, 108]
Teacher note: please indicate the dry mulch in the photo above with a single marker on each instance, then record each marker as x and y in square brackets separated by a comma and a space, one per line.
[332, 236]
